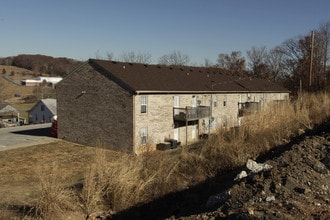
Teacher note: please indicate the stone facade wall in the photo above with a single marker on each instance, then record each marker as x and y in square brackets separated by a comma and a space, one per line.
[159, 123]
[93, 110]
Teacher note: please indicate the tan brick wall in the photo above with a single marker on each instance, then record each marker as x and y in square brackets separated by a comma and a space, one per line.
[159, 117]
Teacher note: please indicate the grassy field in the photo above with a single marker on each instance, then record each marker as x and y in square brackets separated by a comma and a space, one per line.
[23, 170]
[62, 178]
[8, 89]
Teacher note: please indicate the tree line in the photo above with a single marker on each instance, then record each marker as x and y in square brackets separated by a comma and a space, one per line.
[42, 64]
[298, 64]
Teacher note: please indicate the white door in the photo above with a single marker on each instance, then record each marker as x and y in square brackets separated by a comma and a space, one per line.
[176, 104]
[176, 134]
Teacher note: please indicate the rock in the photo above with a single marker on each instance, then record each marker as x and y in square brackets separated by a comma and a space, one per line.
[241, 175]
[326, 161]
[270, 198]
[317, 166]
[301, 131]
[98, 216]
[257, 167]
[299, 190]
[217, 200]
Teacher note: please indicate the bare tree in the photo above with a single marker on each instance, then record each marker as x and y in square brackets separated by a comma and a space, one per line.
[175, 58]
[275, 62]
[304, 59]
[257, 62]
[135, 57]
[233, 63]
[324, 37]
[109, 56]
[98, 55]
[208, 63]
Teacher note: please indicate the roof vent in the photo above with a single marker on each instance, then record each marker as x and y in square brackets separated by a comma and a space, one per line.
[146, 65]
[124, 67]
[188, 74]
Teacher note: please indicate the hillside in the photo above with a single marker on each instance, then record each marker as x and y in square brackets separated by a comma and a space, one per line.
[295, 187]
[41, 64]
[9, 89]
[20, 97]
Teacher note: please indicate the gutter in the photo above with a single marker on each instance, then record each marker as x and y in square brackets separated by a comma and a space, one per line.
[202, 92]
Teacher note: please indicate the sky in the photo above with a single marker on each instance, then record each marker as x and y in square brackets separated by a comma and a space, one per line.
[201, 29]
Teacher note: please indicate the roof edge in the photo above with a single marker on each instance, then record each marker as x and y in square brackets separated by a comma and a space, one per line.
[203, 92]
[108, 74]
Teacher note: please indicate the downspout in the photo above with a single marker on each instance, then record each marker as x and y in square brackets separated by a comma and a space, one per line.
[134, 122]
[186, 131]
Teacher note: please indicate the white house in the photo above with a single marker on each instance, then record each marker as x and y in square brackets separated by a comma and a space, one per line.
[42, 111]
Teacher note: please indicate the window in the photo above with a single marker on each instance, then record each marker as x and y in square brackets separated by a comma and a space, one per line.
[225, 101]
[42, 107]
[144, 134]
[215, 101]
[143, 104]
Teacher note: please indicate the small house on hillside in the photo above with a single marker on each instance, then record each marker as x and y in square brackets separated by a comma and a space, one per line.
[128, 106]
[8, 115]
[43, 111]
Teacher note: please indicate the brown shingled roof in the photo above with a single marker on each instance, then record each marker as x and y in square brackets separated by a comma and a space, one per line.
[145, 78]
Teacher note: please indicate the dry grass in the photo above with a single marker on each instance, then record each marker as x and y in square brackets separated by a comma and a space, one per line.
[273, 126]
[55, 198]
[115, 181]
[8, 89]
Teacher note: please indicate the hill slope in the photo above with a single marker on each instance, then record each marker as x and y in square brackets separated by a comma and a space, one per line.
[296, 187]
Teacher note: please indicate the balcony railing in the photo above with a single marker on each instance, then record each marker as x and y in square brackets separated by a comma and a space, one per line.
[247, 108]
[191, 113]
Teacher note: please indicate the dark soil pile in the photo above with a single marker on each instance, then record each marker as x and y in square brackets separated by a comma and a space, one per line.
[297, 186]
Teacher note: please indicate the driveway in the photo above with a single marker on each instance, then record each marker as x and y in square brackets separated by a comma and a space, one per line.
[23, 136]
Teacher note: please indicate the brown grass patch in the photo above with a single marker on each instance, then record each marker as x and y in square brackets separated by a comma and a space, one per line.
[113, 181]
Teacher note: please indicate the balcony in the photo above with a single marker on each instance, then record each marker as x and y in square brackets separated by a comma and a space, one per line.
[247, 108]
[191, 113]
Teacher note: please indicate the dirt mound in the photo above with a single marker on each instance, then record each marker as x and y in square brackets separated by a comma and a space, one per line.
[290, 182]
[297, 186]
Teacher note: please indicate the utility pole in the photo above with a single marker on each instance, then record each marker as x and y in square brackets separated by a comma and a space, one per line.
[311, 61]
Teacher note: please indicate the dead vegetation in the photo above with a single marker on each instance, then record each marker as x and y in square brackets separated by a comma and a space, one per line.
[85, 181]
